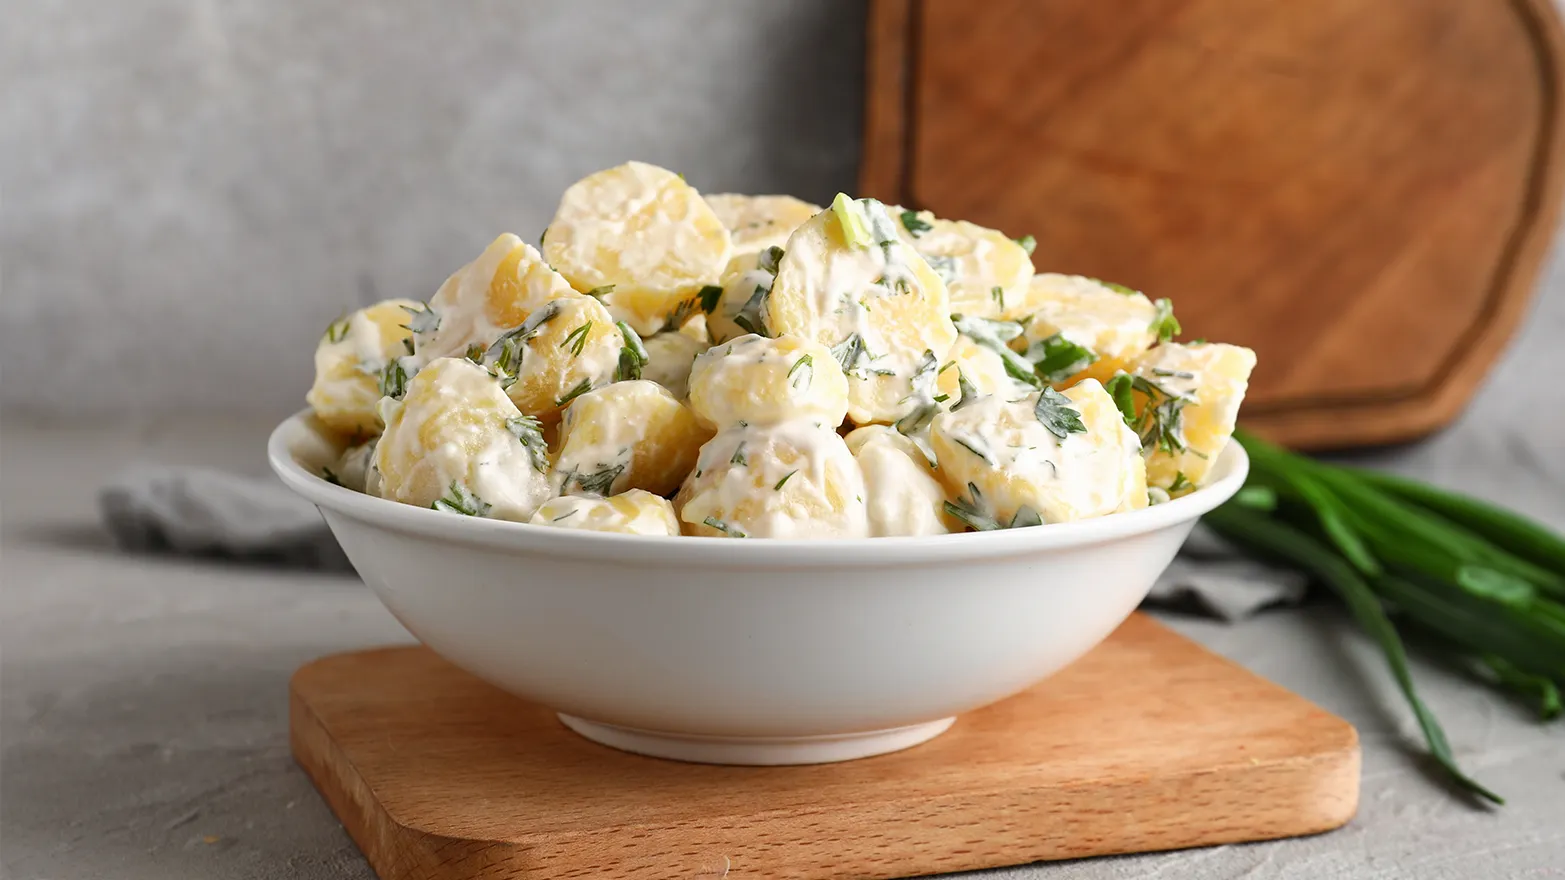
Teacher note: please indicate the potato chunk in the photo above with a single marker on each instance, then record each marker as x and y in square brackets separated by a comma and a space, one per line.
[739, 305]
[1187, 399]
[764, 381]
[455, 442]
[1082, 328]
[669, 359]
[788, 480]
[755, 223]
[632, 513]
[1002, 458]
[901, 494]
[982, 368]
[849, 282]
[642, 231]
[348, 362]
[628, 435]
[494, 293]
[564, 349]
[985, 271]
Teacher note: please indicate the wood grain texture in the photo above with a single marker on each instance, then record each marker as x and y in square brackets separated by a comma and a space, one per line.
[1148, 743]
[1362, 192]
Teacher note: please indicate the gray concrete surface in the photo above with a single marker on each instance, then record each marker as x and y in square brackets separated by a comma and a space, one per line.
[192, 189]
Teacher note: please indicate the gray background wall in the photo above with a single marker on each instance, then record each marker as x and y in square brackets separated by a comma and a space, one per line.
[191, 189]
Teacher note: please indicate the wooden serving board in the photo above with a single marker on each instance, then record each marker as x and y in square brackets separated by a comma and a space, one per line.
[1148, 743]
[1361, 192]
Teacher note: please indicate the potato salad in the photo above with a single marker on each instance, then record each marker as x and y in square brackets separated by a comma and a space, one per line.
[667, 362]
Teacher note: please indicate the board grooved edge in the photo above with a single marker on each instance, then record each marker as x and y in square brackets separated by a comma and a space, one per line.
[438, 776]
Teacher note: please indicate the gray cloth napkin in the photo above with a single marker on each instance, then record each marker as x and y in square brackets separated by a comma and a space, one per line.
[197, 511]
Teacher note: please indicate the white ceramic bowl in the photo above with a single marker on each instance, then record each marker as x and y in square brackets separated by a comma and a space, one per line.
[749, 651]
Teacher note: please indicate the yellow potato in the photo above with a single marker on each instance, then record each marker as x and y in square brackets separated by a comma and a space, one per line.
[761, 381]
[348, 362]
[1003, 452]
[669, 359]
[740, 307]
[632, 513]
[848, 281]
[457, 443]
[1187, 400]
[982, 367]
[628, 435]
[901, 494]
[494, 293]
[985, 271]
[565, 349]
[643, 231]
[788, 480]
[755, 223]
[1113, 323]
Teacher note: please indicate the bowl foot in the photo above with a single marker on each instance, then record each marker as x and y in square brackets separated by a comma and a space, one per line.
[757, 750]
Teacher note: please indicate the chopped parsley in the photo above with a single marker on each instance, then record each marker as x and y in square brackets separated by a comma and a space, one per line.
[632, 354]
[394, 379]
[1180, 482]
[1057, 358]
[915, 225]
[709, 296]
[1164, 324]
[1025, 517]
[806, 364]
[577, 340]
[458, 500]
[1160, 422]
[975, 513]
[1053, 409]
[1028, 243]
[975, 447]
[581, 388]
[994, 335]
[530, 432]
[849, 351]
[1120, 389]
[784, 480]
[752, 315]
[731, 531]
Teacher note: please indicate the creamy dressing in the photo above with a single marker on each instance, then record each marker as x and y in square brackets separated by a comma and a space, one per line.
[973, 261]
[1113, 325]
[761, 380]
[790, 480]
[469, 301]
[449, 430]
[669, 359]
[902, 496]
[633, 513]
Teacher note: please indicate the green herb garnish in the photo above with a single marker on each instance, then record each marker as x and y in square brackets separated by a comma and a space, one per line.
[752, 315]
[337, 331]
[710, 296]
[459, 500]
[599, 482]
[394, 379]
[1056, 358]
[972, 445]
[925, 373]
[475, 353]
[945, 267]
[577, 340]
[805, 363]
[738, 457]
[849, 352]
[997, 294]
[530, 432]
[632, 354]
[731, 531]
[581, 388]
[1164, 324]
[601, 292]
[968, 391]
[1053, 409]
[994, 335]
[1120, 389]
[915, 225]
[769, 260]
[1180, 482]
[1028, 243]
[505, 353]
[783, 481]
[850, 216]
[422, 319]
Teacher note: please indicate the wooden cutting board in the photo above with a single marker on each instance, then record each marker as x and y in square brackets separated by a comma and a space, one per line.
[1150, 742]
[1361, 192]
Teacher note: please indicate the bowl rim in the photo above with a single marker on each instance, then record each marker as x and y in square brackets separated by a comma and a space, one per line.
[1230, 470]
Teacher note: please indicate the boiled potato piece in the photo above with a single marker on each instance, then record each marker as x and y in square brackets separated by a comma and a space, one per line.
[348, 362]
[756, 223]
[565, 349]
[632, 513]
[901, 494]
[788, 480]
[1102, 327]
[762, 381]
[628, 435]
[982, 368]
[1000, 459]
[494, 293]
[985, 271]
[739, 304]
[644, 234]
[455, 442]
[352, 470]
[669, 359]
[848, 281]
[1187, 401]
